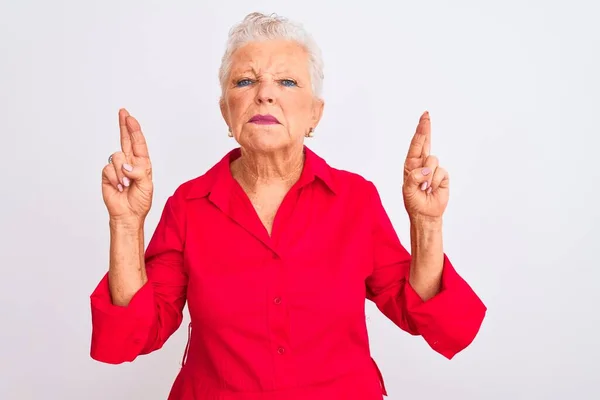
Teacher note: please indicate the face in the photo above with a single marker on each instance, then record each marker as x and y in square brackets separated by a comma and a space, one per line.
[268, 102]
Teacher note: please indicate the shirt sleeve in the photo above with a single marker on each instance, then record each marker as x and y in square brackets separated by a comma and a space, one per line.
[449, 321]
[121, 333]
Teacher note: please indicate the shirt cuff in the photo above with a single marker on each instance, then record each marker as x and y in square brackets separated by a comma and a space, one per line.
[120, 333]
[450, 320]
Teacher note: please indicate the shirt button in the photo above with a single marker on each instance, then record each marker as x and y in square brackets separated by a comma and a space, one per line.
[281, 350]
[277, 300]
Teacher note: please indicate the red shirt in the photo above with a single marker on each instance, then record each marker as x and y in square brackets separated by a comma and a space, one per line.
[279, 317]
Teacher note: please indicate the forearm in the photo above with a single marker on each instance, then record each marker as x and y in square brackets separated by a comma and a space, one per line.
[127, 272]
[427, 257]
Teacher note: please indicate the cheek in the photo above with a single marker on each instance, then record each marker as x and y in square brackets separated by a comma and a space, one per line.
[297, 110]
[237, 105]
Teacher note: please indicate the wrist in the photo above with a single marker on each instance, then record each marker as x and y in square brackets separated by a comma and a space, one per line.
[132, 225]
[426, 236]
[426, 223]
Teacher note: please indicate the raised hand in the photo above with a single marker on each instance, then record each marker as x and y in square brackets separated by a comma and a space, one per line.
[127, 179]
[426, 184]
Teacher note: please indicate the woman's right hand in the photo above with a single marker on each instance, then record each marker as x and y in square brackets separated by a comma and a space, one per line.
[127, 180]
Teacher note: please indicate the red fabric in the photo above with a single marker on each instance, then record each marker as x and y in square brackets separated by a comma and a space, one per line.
[280, 317]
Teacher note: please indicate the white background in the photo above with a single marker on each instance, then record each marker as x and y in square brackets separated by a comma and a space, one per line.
[513, 91]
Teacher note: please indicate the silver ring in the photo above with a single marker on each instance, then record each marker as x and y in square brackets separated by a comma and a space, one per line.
[110, 159]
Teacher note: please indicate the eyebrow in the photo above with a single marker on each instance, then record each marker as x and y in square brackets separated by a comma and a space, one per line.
[244, 71]
[253, 71]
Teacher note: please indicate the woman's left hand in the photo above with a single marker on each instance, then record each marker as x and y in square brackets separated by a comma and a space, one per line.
[426, 184]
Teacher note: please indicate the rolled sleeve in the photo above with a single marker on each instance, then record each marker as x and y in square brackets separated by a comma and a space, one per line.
[449, 321]
[120, 333]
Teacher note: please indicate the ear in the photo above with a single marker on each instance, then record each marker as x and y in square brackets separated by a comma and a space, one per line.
[224, 113]
[317, 112]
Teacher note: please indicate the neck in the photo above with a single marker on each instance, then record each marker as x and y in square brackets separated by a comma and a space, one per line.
[262, 169]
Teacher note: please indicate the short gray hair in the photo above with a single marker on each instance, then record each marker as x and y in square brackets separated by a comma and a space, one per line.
[256, 27]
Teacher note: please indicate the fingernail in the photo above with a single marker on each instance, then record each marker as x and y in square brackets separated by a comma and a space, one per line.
[426, 171]
[127, 167]
[424, 186]
[120, 187]
[126, 181]
[429, 190]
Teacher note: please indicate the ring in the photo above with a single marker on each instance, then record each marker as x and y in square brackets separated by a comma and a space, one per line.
[110, 159]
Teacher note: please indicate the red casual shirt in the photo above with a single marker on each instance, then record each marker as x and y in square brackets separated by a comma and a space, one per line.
[278, 317]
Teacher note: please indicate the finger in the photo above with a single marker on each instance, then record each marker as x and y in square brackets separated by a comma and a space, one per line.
[118, 159]
[426, 130]
[141, 174]
[110, 176]
[138, 141]
[440, 179]
[417, 177]
[418, 142]
[432, 163]
[125, 137]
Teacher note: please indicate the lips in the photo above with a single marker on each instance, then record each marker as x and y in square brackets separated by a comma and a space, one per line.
[263, 119]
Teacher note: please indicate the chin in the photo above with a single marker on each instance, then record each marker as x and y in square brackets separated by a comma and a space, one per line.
[269, 146]
[267, 140]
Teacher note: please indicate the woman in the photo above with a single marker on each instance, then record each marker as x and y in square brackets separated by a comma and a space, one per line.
[274, 250]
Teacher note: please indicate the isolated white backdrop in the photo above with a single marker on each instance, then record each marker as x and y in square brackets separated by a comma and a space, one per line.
[513, 92]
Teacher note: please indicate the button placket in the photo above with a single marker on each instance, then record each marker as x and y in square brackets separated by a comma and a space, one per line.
[278, 321]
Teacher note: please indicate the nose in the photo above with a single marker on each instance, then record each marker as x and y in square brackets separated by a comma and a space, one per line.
[266, 99]
[265, 93]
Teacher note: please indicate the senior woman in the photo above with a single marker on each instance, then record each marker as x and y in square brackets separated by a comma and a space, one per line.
[274, 250]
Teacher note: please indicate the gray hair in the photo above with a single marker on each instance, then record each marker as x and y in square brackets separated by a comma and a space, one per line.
[256, 27]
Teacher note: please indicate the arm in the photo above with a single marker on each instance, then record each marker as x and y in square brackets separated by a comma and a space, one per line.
[427, 262]
[446, 312]
[127, 271]
[139, 303]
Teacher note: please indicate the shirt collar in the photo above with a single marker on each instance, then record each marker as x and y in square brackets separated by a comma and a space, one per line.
[218, 180]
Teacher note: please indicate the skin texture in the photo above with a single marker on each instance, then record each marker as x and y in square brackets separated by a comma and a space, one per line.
[426, 193]
[268, 77]
[127, 191]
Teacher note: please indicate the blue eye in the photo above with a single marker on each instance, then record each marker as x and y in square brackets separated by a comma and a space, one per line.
[243, 82]
[288, 82]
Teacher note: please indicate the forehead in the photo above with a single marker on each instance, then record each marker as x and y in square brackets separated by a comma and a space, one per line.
[270, 56]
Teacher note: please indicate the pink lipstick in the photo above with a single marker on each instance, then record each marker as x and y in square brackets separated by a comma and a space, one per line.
[263, 119]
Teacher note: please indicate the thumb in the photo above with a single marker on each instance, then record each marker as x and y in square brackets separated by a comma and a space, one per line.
[139, 174]
[417, 177]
